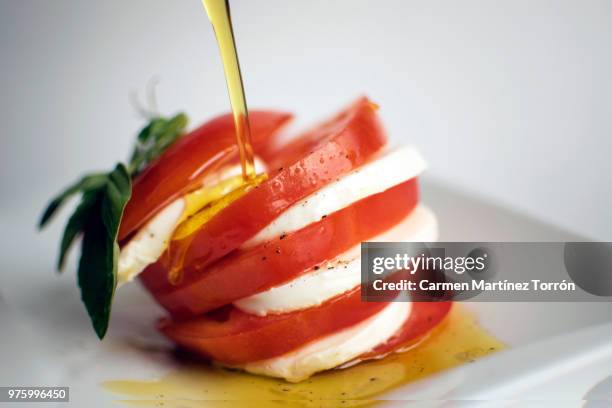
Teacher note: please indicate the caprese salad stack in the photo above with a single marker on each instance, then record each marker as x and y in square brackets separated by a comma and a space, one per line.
[264, 274]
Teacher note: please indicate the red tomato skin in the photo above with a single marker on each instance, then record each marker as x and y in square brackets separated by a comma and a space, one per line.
[183, 165]
[244, 273]
[242, 338]
[348, 143]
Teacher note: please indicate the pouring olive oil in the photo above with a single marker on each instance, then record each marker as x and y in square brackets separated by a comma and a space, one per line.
[219, 14]
[204, 204]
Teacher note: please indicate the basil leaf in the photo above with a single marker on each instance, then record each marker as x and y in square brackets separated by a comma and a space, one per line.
[100, 251]
[154, 139]
[76, 223]
[95, 271]
[98, 217]
[87, 183]
[117, 193]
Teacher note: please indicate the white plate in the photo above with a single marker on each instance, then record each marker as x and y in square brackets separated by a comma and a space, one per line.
[558, 351]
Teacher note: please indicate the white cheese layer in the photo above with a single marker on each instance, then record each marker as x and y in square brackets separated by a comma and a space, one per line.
[335, 349]
[393, 167]
[150, 242]
[339, 275]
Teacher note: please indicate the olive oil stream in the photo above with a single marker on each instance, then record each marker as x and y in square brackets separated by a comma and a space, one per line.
[219, 14]
[458, 340]
[203, 204]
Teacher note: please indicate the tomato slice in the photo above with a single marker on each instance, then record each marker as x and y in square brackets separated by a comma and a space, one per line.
[186, 162]
[244, 273]
[234, 337]
[424, 316]
[314, 160]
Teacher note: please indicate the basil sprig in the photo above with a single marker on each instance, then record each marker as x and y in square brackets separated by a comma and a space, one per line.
[154, 139]
[98, 215]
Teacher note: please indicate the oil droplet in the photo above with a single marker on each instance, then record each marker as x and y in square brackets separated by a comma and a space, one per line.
[374, 106]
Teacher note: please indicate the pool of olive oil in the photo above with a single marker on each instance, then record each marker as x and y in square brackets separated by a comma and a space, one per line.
[219, 14]
[458, 340]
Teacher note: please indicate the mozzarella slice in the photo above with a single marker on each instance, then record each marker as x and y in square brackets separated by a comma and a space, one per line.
[335, 349]
[339, 275]
[392, 168]
[312, 289]
[150, 242]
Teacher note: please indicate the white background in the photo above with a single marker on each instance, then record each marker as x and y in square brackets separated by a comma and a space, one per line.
[507, 99]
